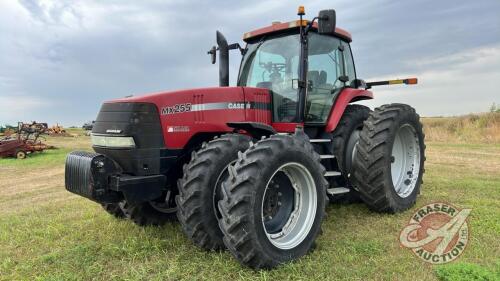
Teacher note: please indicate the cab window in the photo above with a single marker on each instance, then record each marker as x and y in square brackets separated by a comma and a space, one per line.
[350, 71]
[324, 69]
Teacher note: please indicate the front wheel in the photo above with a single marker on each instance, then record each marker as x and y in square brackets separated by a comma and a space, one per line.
[199, 189]
[389, 160]
[156, 212]
[273, 202]
[114, 209]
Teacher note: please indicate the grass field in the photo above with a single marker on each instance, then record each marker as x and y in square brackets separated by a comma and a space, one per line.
[47, 233]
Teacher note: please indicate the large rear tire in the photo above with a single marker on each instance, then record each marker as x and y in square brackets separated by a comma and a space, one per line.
[389, 161]
[274, 202]
[345, 138]
[199, 189]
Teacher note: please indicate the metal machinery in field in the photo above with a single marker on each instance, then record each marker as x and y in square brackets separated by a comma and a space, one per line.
[251, 167]
[25, 141]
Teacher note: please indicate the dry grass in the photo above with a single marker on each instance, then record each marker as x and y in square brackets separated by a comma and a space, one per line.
[47, 233]
[472, 128]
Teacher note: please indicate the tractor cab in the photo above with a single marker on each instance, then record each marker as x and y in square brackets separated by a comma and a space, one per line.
[272, 61]
[304, 64]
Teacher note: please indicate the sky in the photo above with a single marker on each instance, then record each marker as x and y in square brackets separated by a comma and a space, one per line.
[59, 60]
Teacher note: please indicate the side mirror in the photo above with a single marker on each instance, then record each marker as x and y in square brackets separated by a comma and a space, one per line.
[213, 54]
[343, 78]
[326, 22]
[359, 83]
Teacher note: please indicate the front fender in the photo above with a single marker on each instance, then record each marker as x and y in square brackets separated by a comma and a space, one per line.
[346, 96]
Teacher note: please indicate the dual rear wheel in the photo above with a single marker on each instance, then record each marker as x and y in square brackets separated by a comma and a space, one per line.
[389, 160]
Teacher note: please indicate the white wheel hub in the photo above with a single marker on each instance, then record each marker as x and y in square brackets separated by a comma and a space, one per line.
[405, 161]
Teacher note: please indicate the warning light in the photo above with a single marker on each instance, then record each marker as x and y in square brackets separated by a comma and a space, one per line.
[411, 81]
[301, 11]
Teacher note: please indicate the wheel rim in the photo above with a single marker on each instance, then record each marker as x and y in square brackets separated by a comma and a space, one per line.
[288, 220]
[351, 148]
[405, 161]
[217, 193]
[166, 206]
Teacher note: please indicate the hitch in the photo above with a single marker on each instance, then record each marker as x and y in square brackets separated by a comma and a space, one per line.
[407, 81]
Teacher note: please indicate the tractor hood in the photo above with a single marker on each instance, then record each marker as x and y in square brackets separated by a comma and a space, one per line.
[168, 98]
[184, 113]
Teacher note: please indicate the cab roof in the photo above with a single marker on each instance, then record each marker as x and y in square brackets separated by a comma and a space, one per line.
[281, 27]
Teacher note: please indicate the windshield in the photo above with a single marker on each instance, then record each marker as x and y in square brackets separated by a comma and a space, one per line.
[272, 64]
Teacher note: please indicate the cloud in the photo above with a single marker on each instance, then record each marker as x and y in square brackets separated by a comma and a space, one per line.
[20, 106]
[74, 54]
[464, 82]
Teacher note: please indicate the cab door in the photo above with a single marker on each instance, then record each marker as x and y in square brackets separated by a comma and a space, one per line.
[326, 76]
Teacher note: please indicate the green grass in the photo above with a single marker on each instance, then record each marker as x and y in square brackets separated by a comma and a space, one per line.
[466, 272]
[48, 157]
[66, 237]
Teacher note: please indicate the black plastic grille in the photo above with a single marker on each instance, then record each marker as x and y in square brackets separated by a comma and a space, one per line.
[140, 121]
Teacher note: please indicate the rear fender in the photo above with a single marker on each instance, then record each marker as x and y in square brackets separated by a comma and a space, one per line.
[346, 96]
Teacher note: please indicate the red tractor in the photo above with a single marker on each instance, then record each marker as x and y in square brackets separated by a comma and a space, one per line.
[251, 168]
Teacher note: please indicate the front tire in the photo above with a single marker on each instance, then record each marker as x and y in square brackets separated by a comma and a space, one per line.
[199, 189]
[389, 161]
[274, 202]
[114, 209]
[156, 213]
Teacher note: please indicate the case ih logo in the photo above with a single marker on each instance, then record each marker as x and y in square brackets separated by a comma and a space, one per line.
[239, 105]
[437, 233]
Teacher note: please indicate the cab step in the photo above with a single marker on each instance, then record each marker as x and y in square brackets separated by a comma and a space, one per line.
[326, 156]
[319, 140]
[337, 190]
[332, 174]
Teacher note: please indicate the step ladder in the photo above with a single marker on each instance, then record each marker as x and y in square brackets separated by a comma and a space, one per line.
[333, 190]
[337, 190]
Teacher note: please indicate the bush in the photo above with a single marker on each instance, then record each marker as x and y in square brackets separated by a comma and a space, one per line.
[479, 128]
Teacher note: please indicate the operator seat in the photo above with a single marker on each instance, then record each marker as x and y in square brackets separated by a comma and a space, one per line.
[319, 98]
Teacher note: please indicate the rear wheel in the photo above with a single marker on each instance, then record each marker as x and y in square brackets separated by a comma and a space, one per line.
[274, 202]
[389, 161]
[199, 189]
[345, 138]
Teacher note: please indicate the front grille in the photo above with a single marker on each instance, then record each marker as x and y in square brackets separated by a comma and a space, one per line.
[140, 121]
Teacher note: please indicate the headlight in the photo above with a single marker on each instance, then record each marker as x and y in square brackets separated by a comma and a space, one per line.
[109, 141]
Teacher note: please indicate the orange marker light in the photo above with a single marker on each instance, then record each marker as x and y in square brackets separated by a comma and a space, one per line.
[411, 81]
[301, 11]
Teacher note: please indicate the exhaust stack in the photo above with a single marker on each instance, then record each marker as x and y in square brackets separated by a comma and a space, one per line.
[223, 60]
